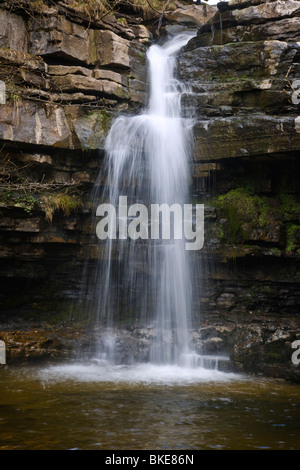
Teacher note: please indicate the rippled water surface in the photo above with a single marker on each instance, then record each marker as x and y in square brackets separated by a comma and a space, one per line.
[144, 407]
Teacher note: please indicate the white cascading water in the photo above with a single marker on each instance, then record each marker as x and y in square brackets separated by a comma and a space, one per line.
[147, 160]
[145, 282]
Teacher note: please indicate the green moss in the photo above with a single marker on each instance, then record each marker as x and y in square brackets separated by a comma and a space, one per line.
[293, 238]
[289, 207]
[243, 211]
[19, 199]
[122, 21]
[105, 121]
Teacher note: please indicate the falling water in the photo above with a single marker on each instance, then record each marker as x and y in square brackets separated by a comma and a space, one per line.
[147, 160]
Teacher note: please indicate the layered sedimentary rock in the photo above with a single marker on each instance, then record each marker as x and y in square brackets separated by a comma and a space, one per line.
[241, 68]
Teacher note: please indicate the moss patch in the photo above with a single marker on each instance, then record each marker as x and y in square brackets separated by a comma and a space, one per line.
[289, 207]
[20, 198]
[243, 212]
[293, 238]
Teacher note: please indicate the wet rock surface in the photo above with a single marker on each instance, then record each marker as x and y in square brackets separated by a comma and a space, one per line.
[267, 347]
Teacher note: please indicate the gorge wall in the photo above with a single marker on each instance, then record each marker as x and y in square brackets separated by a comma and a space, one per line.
[67, 75]
[241, 67]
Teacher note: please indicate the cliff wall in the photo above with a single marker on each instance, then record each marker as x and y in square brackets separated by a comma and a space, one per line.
[241, 68]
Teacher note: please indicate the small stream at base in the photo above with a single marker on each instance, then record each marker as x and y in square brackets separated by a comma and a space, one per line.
[145, 407]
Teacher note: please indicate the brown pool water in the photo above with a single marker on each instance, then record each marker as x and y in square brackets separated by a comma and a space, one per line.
[90, 407]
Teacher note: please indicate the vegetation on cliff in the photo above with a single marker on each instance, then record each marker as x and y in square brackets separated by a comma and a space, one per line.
[99, 9]
[248, 217]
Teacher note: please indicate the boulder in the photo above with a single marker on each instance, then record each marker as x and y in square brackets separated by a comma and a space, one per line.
[56, 36]
[111, 49]
[34, 124]
[191, 14]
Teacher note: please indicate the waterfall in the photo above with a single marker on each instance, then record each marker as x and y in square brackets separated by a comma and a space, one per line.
[148, 280]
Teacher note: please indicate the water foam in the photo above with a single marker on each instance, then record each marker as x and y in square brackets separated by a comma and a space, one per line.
[137, 374]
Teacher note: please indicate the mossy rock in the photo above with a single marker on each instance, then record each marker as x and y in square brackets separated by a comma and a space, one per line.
[289, 207]
[243, 212]
[60, 201]
[293, 238]
[92, 128]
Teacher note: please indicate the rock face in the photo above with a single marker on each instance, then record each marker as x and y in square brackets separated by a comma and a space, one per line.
[240, 69]
[66, 77]
[59, 69]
